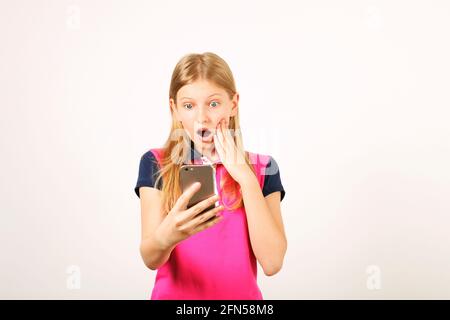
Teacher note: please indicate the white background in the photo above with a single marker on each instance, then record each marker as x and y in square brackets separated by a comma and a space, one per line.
[350, 97]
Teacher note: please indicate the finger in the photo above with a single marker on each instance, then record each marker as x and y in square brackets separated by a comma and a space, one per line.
[222, 130]
[202, 206]
[220, 137]
[217, 141]
[227, 133]
[204, 217]
[208, 224]
[183, 200]
[227, 146]
[218, 147]
[217, 130]
[227, 139]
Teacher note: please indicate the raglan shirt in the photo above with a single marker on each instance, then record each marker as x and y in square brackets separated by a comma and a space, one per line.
[218, 262]
[149, 167]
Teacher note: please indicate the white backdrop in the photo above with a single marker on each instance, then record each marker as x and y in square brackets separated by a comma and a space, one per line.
[350, 97]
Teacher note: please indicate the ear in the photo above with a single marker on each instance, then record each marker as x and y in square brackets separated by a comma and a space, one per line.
[234, 104]
[173, 108]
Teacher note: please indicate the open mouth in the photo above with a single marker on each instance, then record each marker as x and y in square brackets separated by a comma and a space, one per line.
[205, 134]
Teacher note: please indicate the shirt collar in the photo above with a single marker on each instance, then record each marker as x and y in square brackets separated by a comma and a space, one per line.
[195, 156]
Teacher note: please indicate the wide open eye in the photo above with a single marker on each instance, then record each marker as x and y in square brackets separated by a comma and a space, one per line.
[216, 103]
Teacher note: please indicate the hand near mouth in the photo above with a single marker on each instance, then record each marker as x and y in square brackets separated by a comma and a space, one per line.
[232, 158]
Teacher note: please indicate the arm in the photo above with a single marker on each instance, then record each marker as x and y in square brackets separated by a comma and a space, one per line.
[265, 225]
[153, 251]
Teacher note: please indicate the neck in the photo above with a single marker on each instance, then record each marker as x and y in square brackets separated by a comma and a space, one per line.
[207, 152]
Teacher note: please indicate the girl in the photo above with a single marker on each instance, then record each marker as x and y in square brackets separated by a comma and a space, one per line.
[199, 258]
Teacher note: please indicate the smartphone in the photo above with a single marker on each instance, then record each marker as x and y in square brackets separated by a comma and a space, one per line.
[206, 175]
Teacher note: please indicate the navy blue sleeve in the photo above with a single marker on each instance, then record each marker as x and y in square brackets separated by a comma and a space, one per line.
[272, 179]
[148, 170]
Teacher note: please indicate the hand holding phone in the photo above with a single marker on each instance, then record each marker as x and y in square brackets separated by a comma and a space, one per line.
[182, 222]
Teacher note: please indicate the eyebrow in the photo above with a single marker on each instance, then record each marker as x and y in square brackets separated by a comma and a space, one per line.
[214, 94]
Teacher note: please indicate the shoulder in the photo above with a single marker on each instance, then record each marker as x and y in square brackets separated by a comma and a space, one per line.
[268, 173]
[148, 157]
[148, 171]
[153, 156]
[149, 162]
[259, 159]
[262, 161]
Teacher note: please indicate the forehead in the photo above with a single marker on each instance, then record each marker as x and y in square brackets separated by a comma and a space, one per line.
[200, 90]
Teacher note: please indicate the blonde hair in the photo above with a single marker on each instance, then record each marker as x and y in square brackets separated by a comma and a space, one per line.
[190, 68]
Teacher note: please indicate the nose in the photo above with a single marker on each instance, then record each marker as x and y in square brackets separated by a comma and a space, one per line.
[203, 116]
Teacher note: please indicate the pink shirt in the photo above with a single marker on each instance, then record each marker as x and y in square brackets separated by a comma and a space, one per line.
[216, 263]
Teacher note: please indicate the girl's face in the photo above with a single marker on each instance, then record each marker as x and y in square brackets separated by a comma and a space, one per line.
[201, 106]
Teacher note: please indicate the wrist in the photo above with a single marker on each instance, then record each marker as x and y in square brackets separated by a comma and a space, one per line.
[161, 240]
[248, 179]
